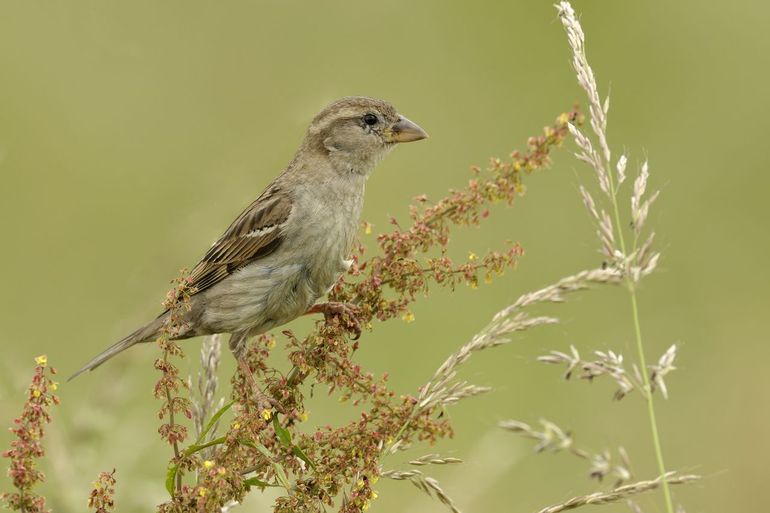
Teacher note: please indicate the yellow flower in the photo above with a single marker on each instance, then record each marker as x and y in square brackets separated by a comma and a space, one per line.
[267, 414]
[41, 360]
[235, 425]
[304, 416]
[36, 393]
[208, 464]
[202, 491]
[374, 495]
[270, 343]
[360, 484]
[564, 118]
[367, 228]
[472, 256]
[54, 386]
[408, 317]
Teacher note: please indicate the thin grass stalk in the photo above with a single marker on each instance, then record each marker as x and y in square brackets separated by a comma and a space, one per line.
[603, 165]
[650, 403]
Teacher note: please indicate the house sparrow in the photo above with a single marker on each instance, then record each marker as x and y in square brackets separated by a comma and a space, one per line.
[289, 247]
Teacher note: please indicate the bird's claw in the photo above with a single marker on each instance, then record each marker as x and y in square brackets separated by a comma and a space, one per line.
[347, 313]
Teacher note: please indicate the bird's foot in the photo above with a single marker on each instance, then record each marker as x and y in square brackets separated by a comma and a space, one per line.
[347, 313]
[263, 402]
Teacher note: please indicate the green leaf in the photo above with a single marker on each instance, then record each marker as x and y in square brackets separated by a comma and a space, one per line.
[280, 473]
[173, 469]
[285, 438]
[170, 478]
[253, 481]
[212, 421]
[301, 455]
[283, 434]
[199, 447]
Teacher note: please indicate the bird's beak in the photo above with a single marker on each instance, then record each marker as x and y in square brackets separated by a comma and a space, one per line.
[405, 131]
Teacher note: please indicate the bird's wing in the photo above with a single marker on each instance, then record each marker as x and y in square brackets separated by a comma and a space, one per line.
[256, 233]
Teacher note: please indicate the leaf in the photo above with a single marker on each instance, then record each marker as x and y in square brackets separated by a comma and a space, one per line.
[283, 434]
[173, 469]
[280, 473]
[170, 478]
[301, 455]
[199, 447]
[253, 481]
[212, 421]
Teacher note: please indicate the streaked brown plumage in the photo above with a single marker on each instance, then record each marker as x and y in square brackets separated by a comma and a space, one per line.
[289, 247]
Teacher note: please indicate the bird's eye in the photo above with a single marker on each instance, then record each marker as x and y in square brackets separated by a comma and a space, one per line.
[370, 119]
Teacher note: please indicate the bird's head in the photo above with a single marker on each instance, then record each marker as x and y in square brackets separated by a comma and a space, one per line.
[356, 132]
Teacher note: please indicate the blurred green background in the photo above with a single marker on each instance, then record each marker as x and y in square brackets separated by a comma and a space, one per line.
[131, 133]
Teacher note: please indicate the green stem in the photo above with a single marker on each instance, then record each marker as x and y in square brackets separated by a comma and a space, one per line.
[199, 447]
[640, 350]
[650, 405]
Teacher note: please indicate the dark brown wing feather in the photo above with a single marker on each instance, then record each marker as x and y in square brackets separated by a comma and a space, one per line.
[256, 233]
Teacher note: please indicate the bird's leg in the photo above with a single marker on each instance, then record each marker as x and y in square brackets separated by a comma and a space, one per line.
[346, 312]
[264, 403]
[238, 343]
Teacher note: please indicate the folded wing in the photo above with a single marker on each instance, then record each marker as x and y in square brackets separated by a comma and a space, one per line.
[256, 233]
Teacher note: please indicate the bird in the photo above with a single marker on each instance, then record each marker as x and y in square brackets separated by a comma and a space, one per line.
[289, 247]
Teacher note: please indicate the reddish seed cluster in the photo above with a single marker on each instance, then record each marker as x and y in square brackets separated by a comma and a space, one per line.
[341, 464]
[266, 447]
[29, 430]
[101, 498]
[216, 486]
[169, 385]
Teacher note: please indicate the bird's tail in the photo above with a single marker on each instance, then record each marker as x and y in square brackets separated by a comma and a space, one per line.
[146, 333]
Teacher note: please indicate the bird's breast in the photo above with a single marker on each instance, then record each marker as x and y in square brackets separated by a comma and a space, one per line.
[324, 228]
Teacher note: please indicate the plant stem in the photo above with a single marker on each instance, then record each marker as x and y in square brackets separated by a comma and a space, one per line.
[171, 422]
[650, 404]
[640, 350]
[175, 444]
